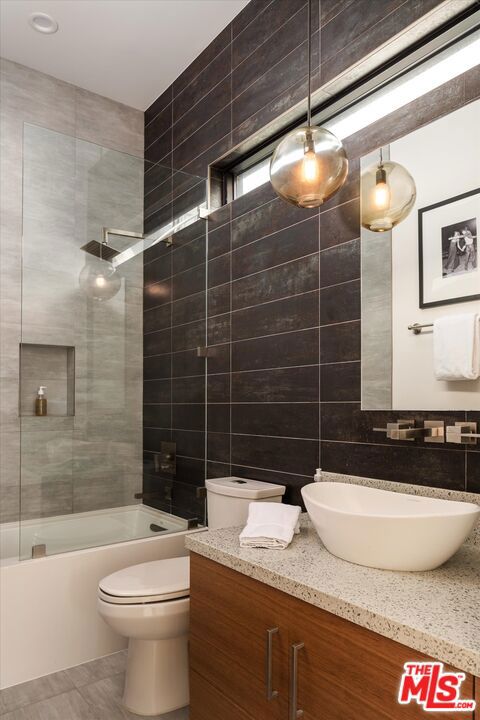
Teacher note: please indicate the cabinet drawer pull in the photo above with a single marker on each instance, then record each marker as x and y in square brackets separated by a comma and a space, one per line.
[271, 693]
[294, 650]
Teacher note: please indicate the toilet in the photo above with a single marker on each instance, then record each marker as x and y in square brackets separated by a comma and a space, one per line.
[149, 604]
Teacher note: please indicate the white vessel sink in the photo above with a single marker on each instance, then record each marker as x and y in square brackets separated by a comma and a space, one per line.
[387, 530]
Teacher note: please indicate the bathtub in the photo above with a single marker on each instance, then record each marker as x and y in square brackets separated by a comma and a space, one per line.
[48, 605]
[64, 533]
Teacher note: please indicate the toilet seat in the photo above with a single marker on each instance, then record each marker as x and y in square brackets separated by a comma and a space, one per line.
[141, 600]
[150, 582]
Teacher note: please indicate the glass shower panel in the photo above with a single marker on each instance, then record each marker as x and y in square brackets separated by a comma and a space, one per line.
[107, 458]
[82, 337]
[50, 261]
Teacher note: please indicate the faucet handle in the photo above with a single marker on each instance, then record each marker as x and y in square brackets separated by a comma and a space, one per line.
[434, 431]
[430, 431]
[463, 432]
[398, 430]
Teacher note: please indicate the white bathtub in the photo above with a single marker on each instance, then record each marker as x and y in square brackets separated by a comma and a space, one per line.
[48, 605]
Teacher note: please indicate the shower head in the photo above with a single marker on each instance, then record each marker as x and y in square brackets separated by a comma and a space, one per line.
[100, 250]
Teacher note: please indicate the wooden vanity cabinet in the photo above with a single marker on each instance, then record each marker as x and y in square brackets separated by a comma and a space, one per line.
[229, 624]
[343, 671]
[353, 673]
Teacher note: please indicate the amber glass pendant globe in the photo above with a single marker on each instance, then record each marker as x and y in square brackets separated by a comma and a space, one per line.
[388, 194]
[99, 280]
[308, 166]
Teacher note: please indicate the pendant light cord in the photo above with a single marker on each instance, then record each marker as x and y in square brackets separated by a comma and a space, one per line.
[309, 88]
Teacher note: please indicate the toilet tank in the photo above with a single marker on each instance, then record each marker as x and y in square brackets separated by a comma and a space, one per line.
[228, 499]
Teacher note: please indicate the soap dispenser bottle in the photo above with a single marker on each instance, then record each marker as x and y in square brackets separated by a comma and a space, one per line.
[41, 402]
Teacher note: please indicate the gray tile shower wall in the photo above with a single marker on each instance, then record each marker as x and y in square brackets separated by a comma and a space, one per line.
[282, 313]
[52, 178]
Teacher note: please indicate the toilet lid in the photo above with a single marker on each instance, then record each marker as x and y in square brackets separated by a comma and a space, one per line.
[157, 580]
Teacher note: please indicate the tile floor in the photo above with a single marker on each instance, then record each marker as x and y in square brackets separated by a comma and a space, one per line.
[92, 691]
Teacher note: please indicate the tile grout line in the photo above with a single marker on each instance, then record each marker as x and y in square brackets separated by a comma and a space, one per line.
[174, 249]
[272, 267]
[205, 367]
[174, 198]
[254, 19]
[204, 97]
[269, 38]
[283, 472]
[309, 217]
[177, 274]
[158, 137]
[231, 346]
[276, 232]
[170, 87]
[222, 50]
[297, 83]
[199, 127]
[170, 256]
[391, 445]
[272, 67]
[200, 154]
[286, 332]
[319, 446]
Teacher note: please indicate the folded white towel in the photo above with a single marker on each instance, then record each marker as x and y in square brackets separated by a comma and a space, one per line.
[270, 525]
[456, 347]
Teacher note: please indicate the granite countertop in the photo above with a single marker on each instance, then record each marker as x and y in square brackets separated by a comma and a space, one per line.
[436, 612]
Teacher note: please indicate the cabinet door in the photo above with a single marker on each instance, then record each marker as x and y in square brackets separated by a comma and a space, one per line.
[346, 672]
[208, 703]
[230, 616]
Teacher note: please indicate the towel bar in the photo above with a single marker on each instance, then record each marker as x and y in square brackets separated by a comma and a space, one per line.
[417, 328]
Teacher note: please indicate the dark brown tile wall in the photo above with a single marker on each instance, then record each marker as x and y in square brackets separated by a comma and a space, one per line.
[275, 289]
[174, 377]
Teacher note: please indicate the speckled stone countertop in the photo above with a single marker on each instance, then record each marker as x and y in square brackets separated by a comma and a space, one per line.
[436, 612]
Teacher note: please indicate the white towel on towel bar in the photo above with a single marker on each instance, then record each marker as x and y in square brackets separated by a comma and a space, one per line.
[270, 525]
[456, 347]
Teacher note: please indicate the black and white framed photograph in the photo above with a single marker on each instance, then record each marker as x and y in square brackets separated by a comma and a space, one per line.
[459, 247]
[449, 250]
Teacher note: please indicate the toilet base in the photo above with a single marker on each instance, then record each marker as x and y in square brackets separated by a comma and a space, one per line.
[156, 680]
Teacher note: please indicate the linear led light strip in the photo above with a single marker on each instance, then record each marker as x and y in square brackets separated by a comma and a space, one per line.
[433, 73]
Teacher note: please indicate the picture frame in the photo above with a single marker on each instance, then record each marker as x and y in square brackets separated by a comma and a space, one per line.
[449, 250]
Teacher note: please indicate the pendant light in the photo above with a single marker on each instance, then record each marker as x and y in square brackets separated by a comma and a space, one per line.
[99, 279]
[388, 194]
[309, 165]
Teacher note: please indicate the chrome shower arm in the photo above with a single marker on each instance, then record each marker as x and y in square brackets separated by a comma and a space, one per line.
[122, 233]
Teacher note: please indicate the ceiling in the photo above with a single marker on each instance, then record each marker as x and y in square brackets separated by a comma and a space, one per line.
[127, 50]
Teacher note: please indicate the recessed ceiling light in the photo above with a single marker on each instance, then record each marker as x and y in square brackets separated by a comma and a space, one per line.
[43, 23]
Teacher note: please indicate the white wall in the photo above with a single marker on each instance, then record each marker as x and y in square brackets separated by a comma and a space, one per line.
[444, 159]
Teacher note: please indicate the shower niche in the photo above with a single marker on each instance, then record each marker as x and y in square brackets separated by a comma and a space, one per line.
[54, 367]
